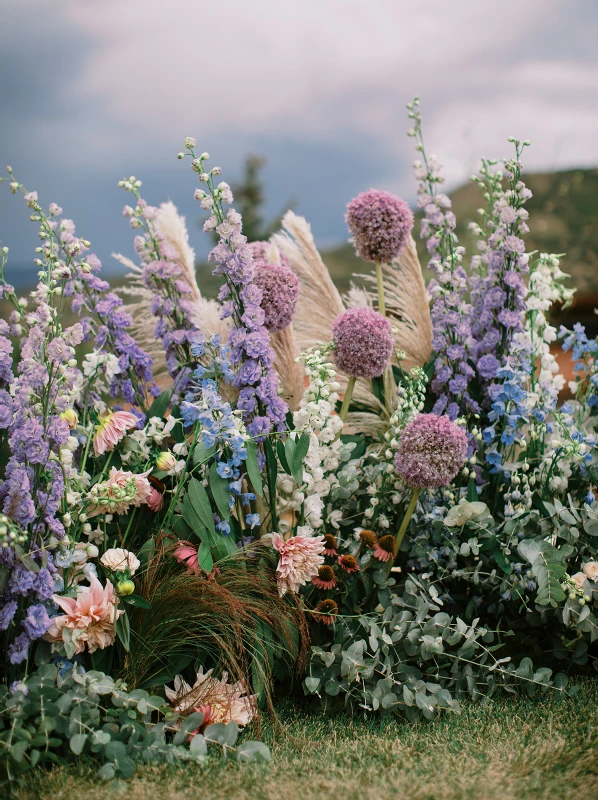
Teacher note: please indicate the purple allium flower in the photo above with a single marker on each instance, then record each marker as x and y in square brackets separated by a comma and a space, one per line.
[280, 294]
[362, 342]
[431, 451]
[380, 224]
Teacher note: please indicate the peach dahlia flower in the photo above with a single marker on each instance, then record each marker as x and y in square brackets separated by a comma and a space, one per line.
[111, 428]
[89, 618]
[299, 559]
[219, 700]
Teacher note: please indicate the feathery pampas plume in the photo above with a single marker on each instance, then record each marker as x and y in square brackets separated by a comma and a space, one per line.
[320, 301]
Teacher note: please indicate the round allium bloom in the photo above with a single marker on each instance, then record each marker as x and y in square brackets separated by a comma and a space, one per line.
[384, 549]
[348, 563]
[118, 560]
[325, 578]
[300, 557]
[362, 342]
[330, 545]
[280, 294]
[590, 570]
[368, 538]
[111, 428]
[90, 617]
[325, 612]
[380, 224]
[431, 451]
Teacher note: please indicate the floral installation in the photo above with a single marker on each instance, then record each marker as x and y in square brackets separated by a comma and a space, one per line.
[182, 485]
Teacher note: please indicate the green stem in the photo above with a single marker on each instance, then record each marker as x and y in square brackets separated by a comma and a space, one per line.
[346, 402]
[404, 524]
[380, 280]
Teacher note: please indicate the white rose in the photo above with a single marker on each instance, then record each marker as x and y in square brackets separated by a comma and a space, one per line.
[118, 560]
[579, 579]
[590, 570]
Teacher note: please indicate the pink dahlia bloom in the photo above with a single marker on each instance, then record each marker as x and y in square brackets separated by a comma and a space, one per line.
[112, 427]
[362, 342]
[219, 700]
[155, 501]
[280, 294]
[118, 493]
[186, 554]
[431, 451]
[89, 618]
[299, 560]
[380, 224]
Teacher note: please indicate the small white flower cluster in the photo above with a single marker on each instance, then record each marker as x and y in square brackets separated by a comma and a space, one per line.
[137, 443]
[100, 369]
[410, 403]
[326, 452]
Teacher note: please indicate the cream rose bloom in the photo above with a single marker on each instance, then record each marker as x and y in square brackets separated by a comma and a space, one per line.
[118, 560]
[579, 579]
[590, 570]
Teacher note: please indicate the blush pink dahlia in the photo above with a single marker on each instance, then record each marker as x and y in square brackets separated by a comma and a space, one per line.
[121, 490]
[219, 700]
[280, 294]
[362, 342]
[186, 554]
[89, 618]
[380, 224]
[431, 451]
[111, 428]
[299, 560]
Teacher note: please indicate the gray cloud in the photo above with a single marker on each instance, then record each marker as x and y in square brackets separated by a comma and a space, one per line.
[93, 91]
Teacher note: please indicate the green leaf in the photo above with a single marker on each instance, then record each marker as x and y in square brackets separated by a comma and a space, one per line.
[198, 497]
[301, 448]
[311, 684]
[78, 743]
[123, 631]
[188, 726]
[224, 735]
[204, 557]
[201, 454]
[253, 470]
[472, 494]
[160, 405]
[272, 472]
[107, 772]
[220, 493]
[138, 602]
[283, 454]
[146, 551]
[253, 751]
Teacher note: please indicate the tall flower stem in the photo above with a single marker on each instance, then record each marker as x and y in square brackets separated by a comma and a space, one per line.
[404, 524]
[380, 281]
[346, 401]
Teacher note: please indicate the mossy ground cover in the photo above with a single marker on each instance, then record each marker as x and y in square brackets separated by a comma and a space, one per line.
[509, 749]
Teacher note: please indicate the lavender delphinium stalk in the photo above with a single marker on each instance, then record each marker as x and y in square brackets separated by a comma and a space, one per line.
[451, 312]
[251, 352]
[164, 277]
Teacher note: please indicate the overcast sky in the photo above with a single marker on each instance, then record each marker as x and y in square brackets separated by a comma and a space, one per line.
[91, 91]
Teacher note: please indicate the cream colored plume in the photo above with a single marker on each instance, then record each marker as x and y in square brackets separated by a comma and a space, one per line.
[319, 300]
[407, 305]
[291, 374]
[172, 227]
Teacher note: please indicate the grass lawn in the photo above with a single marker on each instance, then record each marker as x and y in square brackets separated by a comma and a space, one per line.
[510, 748]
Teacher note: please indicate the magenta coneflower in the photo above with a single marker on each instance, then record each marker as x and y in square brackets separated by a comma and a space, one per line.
[325, 578]
[330, 546]
[380, 224]
[280, 294]
[325, 611]
[384, 548]
[348, 563]
[368, 538]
